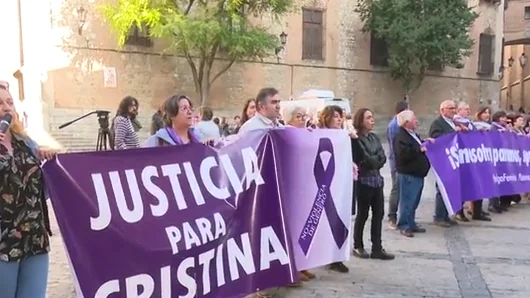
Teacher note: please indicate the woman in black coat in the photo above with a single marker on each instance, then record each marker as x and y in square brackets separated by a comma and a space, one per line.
[370, 157]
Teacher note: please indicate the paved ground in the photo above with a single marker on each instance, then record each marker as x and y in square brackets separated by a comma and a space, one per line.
[470, 261]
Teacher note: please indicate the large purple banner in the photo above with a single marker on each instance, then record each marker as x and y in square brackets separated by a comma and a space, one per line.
[194, 221]
[478, 165]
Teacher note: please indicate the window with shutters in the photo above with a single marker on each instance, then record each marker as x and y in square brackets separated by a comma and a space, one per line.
[378, 51]
[486, 49]
[139, 37]
[313, 34]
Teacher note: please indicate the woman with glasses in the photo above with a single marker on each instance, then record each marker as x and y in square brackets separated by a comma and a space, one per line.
[178, 119]
[332, 117]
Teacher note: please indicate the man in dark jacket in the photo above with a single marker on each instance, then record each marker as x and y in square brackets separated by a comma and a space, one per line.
[441, 126]
[412, 167]
[156, 122]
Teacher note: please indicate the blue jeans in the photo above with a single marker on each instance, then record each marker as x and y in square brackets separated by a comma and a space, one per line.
[410, 188]
[440, 212]
[25, 279]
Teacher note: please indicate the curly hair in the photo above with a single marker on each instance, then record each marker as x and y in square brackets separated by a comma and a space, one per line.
[326, 115]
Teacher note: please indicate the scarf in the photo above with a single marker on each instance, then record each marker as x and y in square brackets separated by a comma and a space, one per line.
[178, 140]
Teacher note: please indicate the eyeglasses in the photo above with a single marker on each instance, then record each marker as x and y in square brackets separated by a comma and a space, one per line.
[301, 116]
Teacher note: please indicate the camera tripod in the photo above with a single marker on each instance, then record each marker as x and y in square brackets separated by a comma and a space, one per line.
[104, 141]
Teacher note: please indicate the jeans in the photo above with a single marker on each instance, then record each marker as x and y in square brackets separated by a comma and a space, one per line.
[369, 197]
[393, 201]
[25, 279]
[410, 189]
[440, 212]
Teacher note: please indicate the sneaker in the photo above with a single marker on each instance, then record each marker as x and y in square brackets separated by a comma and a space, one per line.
[339, 267]
[392, 224]
[361, 253]
[382, 255]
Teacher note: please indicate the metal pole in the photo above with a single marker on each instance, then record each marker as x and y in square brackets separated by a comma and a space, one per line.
[18, 74]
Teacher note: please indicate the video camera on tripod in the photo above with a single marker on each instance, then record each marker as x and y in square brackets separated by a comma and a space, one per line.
[104, 140]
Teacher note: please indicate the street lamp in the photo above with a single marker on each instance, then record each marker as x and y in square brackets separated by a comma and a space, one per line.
[510, 62]
[81, 18]
[522, 60]
[283, 41]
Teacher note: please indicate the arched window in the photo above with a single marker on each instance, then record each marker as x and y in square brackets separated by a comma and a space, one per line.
[486, 52]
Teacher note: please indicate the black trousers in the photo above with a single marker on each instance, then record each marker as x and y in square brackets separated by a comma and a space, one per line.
[476, 209]
[369, 197]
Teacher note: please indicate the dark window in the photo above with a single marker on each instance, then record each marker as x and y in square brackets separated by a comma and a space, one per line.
[139, 37]
[485, 54]
[527, 12]
[378, 51]
[313, 34]
[435, 66]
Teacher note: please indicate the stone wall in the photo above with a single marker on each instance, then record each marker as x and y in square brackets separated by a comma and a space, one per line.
[71, 80]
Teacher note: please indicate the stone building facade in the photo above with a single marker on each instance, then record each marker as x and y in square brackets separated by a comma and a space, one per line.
[68, 50]
[515, 83]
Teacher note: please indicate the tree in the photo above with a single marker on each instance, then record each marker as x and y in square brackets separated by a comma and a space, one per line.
[203, 31]
[419, 34]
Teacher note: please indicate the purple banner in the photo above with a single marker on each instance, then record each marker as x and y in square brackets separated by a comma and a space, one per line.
[479, 165]
[194, 221]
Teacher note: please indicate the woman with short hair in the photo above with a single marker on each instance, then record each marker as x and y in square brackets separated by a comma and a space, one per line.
[332, 117]
[178, 121]
[369, 155]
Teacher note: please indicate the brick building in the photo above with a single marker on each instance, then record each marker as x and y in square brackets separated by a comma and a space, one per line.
[68, 49]
[515, 84]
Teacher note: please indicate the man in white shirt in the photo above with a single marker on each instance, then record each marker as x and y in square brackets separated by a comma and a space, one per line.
[267, 111]
[207, 129]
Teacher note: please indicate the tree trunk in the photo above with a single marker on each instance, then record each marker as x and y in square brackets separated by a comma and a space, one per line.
[204, 93]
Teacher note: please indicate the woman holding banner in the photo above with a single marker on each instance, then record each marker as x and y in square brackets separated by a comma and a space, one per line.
[332, 117]
[24, 226]
[178, 119]
[296, 117]
[370, 156]
[498, 123]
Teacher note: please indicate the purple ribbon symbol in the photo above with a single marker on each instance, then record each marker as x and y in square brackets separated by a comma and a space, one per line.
[323, 201]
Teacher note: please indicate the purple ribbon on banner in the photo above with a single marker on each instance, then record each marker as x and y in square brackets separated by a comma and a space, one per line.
[323, 201]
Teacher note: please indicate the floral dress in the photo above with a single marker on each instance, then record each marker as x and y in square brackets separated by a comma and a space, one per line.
[23, 218]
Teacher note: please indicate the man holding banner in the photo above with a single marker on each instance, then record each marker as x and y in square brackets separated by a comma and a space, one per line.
[441, 126]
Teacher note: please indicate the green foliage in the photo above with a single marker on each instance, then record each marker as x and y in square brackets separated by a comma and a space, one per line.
[419, 33]
[202, 30]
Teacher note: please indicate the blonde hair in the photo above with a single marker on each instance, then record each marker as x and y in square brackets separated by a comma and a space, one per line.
[17, 127]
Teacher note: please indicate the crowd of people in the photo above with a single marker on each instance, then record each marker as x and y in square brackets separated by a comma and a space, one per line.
[25, 232]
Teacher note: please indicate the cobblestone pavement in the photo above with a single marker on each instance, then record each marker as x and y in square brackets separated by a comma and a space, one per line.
[472, 260]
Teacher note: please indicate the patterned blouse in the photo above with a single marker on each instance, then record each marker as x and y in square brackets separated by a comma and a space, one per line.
[23, 218]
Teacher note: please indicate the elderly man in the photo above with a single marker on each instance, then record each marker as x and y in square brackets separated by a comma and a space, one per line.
[412, 167]
[443, 125]
[267, 111]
